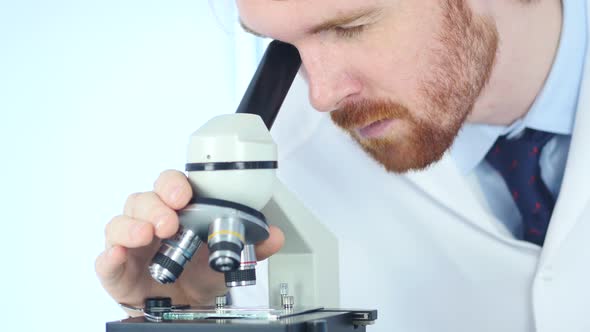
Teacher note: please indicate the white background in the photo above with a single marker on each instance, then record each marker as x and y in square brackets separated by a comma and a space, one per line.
[96, 99]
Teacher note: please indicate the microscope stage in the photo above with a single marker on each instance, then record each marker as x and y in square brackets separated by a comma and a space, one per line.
[251, 320]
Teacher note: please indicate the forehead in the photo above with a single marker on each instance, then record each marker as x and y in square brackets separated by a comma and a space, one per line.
[288, 19]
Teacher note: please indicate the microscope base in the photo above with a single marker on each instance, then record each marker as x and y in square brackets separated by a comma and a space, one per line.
[322, 320]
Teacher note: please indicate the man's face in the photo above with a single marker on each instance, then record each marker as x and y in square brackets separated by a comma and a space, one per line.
[400, 76]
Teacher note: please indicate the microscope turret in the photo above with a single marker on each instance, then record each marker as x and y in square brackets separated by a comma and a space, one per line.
[231, 166]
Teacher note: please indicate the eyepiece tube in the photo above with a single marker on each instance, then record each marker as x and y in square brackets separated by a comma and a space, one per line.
[271, 82]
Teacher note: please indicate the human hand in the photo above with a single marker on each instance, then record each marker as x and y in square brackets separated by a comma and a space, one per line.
[133, 238]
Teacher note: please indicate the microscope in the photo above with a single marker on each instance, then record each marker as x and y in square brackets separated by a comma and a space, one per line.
[232, 163]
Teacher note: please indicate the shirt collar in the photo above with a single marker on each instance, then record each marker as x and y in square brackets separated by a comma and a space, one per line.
[555, 107]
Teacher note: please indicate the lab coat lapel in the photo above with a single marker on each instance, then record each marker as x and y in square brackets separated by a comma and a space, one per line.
[575, 190]
[445, 184]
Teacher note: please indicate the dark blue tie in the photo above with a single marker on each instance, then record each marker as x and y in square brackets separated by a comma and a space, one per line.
[517, 160]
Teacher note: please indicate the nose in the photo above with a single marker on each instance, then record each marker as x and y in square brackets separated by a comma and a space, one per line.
[329, 78]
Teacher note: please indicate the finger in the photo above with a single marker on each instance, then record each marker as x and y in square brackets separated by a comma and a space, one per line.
[128, 232]
[271, 245]
[149, 207]
[110, 264]
[174, 189]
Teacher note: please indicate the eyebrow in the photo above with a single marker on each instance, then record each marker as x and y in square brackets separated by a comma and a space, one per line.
[345, 19]
[329, 24]
[249, 30]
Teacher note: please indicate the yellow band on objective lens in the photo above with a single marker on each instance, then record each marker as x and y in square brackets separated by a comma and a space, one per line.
[226, 232]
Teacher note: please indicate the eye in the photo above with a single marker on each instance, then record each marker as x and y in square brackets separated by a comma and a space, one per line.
[349, 32]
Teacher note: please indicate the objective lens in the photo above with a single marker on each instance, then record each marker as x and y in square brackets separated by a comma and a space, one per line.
[245, 275]
[226, 240]
[169, 261]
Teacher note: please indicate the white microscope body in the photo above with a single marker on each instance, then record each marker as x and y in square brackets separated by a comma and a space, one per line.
[231, 166]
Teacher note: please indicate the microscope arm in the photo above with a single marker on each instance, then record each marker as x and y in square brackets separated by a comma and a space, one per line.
[308, 262]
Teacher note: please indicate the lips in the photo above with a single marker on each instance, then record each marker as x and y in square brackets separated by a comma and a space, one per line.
[376, 129]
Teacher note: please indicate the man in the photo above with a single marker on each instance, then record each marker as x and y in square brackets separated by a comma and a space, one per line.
[469, 214]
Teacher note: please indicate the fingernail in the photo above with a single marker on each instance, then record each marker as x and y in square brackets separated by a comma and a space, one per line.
[175, 195]
[161, 221]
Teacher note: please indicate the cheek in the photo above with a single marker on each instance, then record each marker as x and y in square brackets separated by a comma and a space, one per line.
[400, 55]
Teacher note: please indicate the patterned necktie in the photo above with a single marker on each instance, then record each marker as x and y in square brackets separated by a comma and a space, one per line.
[517, 160]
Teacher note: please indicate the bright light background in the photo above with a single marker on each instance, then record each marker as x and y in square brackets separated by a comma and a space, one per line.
[96, 99]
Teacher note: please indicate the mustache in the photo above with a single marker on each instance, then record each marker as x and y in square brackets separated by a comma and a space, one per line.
[359, 114]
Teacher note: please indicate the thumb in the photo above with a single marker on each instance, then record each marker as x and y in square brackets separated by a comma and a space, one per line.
[272, 245]
[110, 266]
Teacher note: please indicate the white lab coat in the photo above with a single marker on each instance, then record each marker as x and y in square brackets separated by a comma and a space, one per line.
[425, 250]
